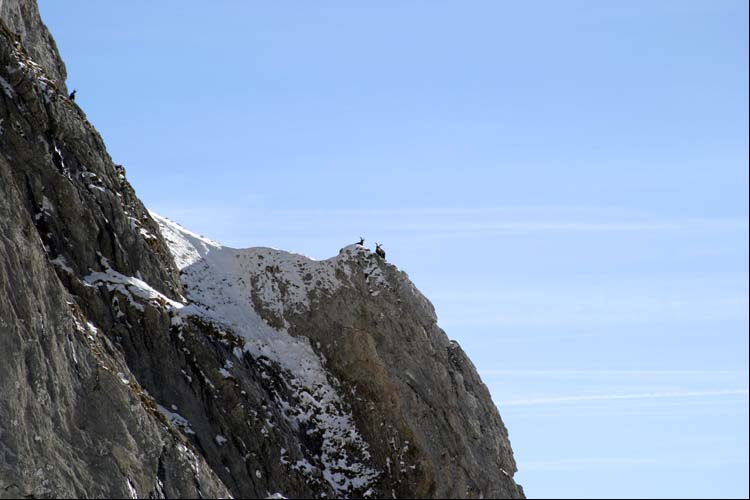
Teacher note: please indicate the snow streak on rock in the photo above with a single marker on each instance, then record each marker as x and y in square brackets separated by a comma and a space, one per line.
[237, 289]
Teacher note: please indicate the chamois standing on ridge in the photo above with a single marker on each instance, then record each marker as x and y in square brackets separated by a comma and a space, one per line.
[379, 250]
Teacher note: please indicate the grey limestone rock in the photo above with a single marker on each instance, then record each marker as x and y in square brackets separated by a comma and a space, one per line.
[140, 360]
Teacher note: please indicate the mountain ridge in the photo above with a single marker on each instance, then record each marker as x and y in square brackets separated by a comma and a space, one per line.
[139, 359]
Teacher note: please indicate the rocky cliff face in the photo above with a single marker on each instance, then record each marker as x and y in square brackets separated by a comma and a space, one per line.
[22, 17]
[138, 359]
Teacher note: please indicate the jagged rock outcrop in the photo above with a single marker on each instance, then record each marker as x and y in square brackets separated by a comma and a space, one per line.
[138, 359]
[22, 17]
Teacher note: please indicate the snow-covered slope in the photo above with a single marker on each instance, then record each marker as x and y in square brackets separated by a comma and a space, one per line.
[219, 283]
[363, 363]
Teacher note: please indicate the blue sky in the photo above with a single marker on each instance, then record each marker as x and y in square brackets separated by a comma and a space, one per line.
[566, 181]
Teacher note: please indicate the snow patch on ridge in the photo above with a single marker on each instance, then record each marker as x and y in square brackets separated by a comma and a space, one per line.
[177, 420]
[226, 286]
[130, 287]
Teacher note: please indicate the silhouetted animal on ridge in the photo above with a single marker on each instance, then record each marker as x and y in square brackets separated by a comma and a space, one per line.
[379, 250]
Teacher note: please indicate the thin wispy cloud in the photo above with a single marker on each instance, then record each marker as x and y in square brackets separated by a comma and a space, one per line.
[512, 418]
[713, 407]
[601, 313]
[580, 463]
[637, 300]
[610, 372]
[620, 397]
[465, 229]
[440, 223]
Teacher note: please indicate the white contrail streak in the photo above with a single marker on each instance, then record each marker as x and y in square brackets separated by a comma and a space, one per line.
[616, 397]
[490, 373]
